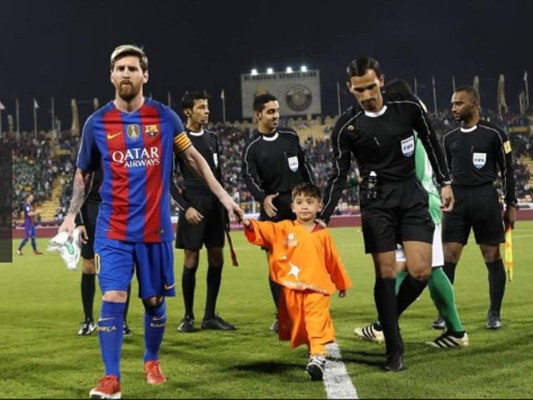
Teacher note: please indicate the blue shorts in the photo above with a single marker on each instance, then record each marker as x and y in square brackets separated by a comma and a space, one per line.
[154, 262]
[29, 231]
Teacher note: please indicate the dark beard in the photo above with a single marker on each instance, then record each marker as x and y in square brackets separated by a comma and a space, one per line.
[127, 93]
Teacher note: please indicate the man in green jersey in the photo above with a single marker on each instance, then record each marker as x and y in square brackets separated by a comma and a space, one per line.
[440, 287]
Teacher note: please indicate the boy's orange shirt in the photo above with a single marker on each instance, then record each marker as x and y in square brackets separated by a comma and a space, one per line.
[299, 259]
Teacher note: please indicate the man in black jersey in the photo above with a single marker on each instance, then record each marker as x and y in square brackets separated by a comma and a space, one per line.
[475, 151]
[378, 133]
[202, 218]
[274, 162]
[86, 221]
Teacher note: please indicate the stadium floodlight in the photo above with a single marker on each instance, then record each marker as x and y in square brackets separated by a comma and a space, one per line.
[270, 71]
[289, 70]
[303, 68]
[254, 71]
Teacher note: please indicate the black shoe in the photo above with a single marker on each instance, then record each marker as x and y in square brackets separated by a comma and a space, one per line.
[275, 326]
[394, 362]
[126, 329]
[217, 323]
[494, 321]
[87, 328]
[187, 325]
[439, 323]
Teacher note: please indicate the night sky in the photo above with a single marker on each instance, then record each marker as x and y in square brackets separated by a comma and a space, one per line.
[61, 48]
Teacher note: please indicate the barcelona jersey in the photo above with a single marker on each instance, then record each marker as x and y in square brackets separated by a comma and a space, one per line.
[136, 154]
[29, 220]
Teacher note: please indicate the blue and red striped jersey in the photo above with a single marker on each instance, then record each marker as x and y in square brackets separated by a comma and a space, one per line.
[136, 154]
[29, 220]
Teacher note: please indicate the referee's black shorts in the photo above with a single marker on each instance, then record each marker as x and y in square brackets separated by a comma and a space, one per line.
[399, 213]
[210, 231]
[87, 249]
[477, 208]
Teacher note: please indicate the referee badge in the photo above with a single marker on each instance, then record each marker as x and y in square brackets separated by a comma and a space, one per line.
[293, 163]
[408, 146]
[479, 160]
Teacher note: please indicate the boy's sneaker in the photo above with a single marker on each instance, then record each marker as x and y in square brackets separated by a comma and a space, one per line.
[493, 320]
[19, 252]
[447, 340]
[126, 329]
[217, 323]
[87, 328]
[275, 326]
[371, 333]
[315, 367]
[187, 325]
[439, 323]
[153, 373]
[108, 388]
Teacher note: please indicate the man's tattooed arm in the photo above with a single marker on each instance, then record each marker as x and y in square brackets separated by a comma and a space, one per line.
[82, 180]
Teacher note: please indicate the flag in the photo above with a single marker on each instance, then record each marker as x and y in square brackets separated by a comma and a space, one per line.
[509, 253]
[35, 105]
[2, 106]
[525, 75]
[222, 94]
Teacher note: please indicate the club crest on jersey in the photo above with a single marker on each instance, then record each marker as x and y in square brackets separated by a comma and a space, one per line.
[408, 146]
[133, 131]
[293, 163]
[151, 130]
[479, 160]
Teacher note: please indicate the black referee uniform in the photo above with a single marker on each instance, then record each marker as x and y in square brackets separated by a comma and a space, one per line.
[384, 142]
[193, 192]
[474, 156]
[275, 163]
[395, 206]
[88, 213]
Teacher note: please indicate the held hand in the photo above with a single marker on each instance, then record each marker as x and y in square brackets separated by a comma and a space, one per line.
[342, 293]
[83, 234]
[235, 212]
[509, 217]
[268, 205]
[68, 224]
[447, 198]
[192, 216]
[246, 222]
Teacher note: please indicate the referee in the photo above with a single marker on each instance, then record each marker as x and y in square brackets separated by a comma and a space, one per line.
[475, 152]
[274, 162]
[202, 218]
[378, 133]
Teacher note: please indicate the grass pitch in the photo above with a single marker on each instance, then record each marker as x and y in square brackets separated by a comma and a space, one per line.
[42, 357]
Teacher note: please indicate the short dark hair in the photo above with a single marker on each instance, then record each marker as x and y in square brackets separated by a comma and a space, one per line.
[398, 86]
[471, 91]
[307, 189]
[359, 66]
[188, 99]
[129, 50]
[261, 100]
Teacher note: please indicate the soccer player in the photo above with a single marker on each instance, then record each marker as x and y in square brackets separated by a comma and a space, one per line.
[133, 138]
[274, 162]
[475, 151]
[86, 221]
[29, 226]
[439, 285]
[304, 261]
[378, 133]
[202, 218]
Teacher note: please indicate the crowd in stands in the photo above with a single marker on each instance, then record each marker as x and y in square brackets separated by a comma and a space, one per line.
[37, 161]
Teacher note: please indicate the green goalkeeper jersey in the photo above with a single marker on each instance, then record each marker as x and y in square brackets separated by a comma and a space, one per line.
[424, 173]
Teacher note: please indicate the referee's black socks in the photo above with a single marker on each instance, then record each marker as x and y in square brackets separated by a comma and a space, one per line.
[214, 279]
[385, 299]
[449, 270]
[496, 284]
[188, 284]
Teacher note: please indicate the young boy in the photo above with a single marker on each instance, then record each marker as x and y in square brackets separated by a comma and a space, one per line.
[304, 260]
